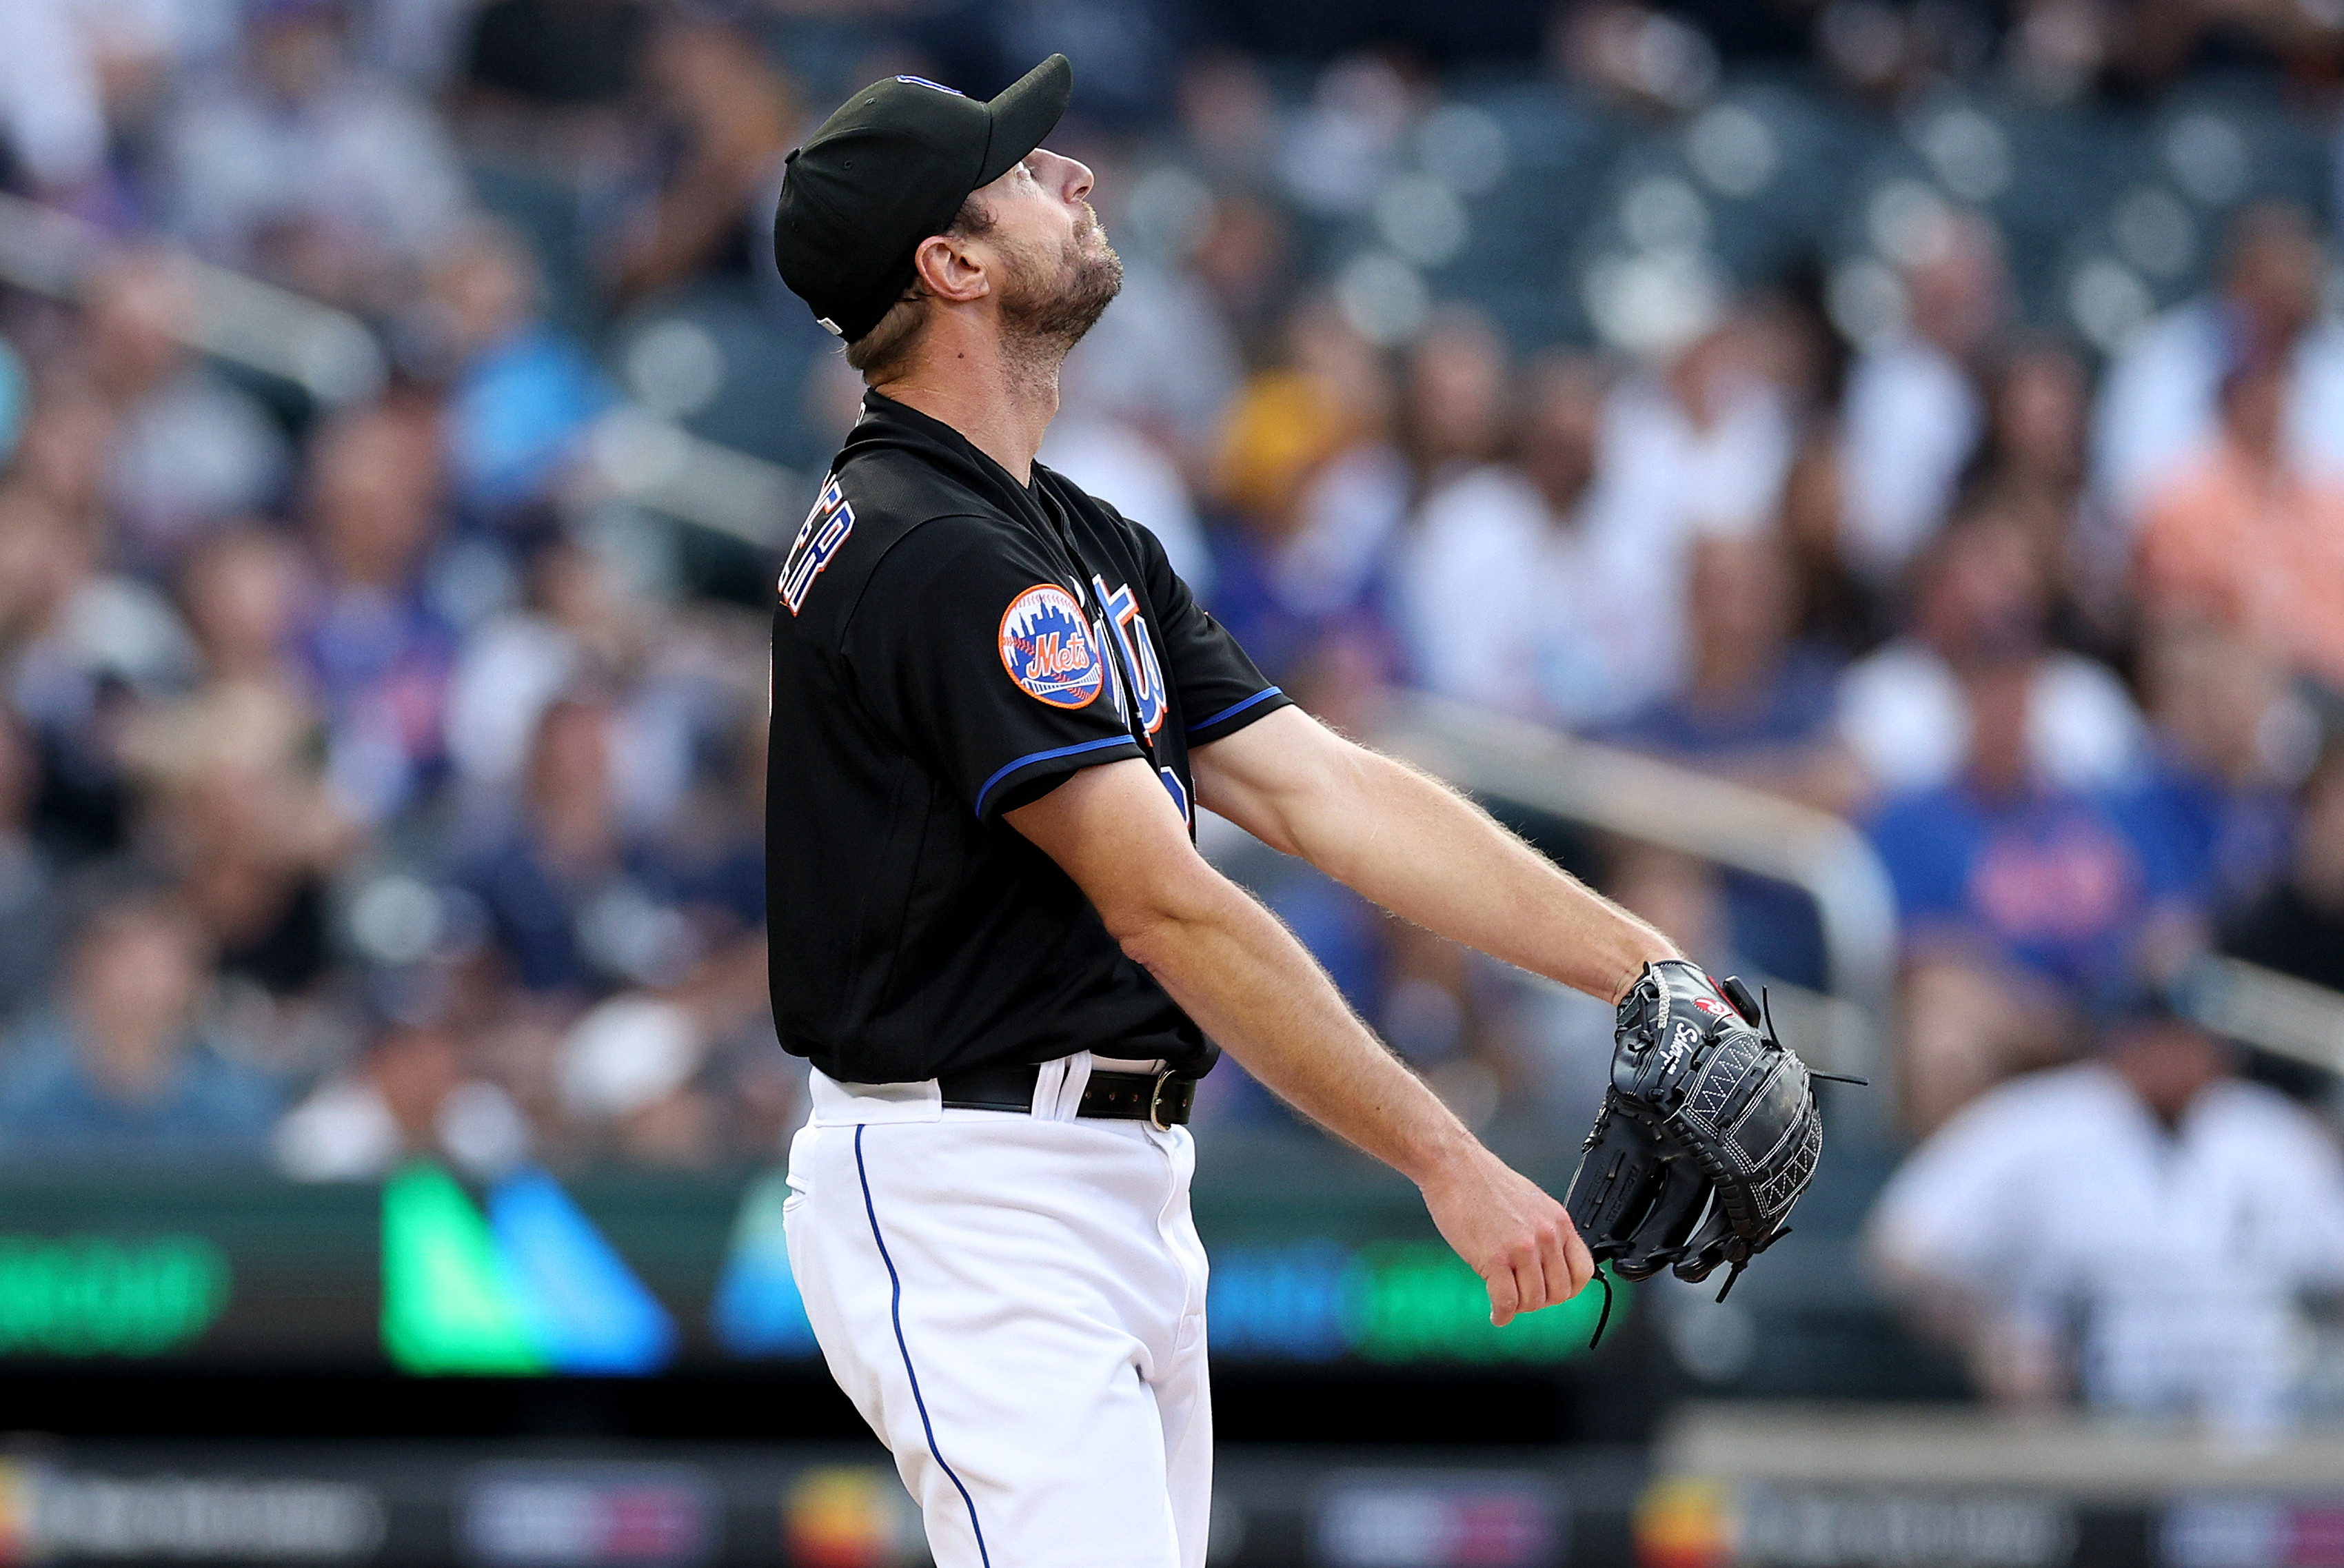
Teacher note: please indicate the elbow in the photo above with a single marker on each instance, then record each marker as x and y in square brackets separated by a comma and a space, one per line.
[1150, 944]
[1154, 927]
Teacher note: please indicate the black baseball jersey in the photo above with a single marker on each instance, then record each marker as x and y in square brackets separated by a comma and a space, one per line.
[942, 655]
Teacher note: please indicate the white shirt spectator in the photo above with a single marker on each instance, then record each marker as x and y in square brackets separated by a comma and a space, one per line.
[1573, 620]
[345, 1133]
[362, 159]
[1912, 417]
[1903, 712]
[1678, 481]
[2157, 403]
[2185, 1250]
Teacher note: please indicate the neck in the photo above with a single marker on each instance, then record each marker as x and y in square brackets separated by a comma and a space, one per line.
[1000, 393]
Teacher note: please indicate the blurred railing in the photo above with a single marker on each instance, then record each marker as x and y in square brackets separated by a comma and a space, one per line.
[1853, 1448]
[2275, 1013]
[330, 355]
[1655, 802]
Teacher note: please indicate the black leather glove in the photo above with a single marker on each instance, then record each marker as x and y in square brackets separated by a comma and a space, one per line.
[1708, 1135]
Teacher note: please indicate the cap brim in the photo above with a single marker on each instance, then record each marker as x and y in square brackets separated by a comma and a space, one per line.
[1026, 111]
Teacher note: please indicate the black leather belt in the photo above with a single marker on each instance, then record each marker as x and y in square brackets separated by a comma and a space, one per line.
[1157, 1099]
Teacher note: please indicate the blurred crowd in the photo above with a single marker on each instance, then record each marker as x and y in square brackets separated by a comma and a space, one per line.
[375, 778]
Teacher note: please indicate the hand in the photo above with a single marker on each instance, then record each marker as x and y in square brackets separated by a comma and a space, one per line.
[1519, 1239]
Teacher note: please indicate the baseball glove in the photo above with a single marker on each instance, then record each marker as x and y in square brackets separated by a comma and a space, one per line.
[1708, 1135]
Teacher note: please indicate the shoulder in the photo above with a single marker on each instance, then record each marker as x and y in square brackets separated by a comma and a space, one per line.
[2036, 1110]
[882, 516]
[949, 568]
[896, 484]
[2256, 1117]
[925, 549]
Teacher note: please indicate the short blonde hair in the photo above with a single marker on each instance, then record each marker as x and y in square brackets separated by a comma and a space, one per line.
[881, 352]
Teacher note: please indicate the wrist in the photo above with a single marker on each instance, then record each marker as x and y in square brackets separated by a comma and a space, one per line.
[1641, 954]
[1442, 1154]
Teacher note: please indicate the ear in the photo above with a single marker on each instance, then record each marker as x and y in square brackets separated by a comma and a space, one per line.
[950, 270]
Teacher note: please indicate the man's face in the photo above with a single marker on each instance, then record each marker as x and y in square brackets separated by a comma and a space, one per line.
[136, 978]
[1057, 271]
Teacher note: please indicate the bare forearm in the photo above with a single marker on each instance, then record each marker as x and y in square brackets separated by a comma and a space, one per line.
[1245, 979]
[1431, 856]
[1249, 984]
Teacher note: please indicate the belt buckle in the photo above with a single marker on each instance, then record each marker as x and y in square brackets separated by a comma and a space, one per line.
[1156, 1101]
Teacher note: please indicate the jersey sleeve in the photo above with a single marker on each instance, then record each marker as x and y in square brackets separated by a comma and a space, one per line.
[1220, 689]
[970, 648]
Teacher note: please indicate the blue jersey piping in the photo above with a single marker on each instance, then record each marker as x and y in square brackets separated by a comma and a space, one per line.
[1043, 756]
[1262, 696]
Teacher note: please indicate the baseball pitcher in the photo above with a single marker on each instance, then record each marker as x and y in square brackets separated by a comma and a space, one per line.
[996, 710]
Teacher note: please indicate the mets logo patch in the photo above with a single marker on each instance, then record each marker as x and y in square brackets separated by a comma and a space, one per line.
[1048, 651]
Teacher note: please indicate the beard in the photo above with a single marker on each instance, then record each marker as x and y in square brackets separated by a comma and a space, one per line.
[1052, 300]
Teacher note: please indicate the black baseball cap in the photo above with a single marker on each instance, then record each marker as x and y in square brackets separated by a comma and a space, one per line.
[890, 168]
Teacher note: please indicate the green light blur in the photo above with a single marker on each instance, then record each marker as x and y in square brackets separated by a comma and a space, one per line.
[104, 1296]
[446, 1305]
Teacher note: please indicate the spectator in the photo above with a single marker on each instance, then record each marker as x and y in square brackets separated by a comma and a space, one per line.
[1761, 710]
[1913, 411]
[2158, 400]
[2297, 926]
[2020, 899]
[2029, 466]
[1521, 591]
[249, 827]
[2243, 538]
[188, 450]
[305, 169]
[1164, 361]
[2040, 1229]
[52, 105]
[378, 651]
[1145, 481]
[1756, 705]
[1316, 493]
[1458, 386]
[410, 1095]
[1245, 259]
[519, 394]
[1978, 593]
[2228, 744]
[122, 1068]
[571, 898]
[89, 646]
[579, 626]
[1702, 448]
[241, 593]
[734, 118]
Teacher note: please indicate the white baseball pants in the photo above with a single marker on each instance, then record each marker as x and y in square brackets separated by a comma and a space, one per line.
[1016, 1305]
